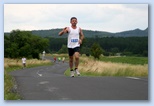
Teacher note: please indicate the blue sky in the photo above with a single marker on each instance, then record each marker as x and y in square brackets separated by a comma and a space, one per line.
[101, 17]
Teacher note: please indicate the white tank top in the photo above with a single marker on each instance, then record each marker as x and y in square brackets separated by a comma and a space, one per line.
[73, 37]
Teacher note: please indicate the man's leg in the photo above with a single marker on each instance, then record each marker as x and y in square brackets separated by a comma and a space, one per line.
[71, 66]
[71, 62]
[76, 55]
[23, 65]
[71, 52]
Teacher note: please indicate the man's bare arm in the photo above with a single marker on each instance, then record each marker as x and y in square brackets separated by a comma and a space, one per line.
[81, 36]
[63, 31]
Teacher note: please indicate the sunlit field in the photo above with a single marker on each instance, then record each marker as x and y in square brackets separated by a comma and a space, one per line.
[18, 63]
[89, 66]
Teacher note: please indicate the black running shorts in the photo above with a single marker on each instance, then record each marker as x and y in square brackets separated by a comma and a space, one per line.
[71, 51]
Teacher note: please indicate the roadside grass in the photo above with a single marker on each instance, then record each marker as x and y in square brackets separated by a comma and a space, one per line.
[128, 60]
[113, 66]
[9, 82]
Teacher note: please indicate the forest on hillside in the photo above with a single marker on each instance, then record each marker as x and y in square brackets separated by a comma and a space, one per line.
[136, 46]
[25, 43]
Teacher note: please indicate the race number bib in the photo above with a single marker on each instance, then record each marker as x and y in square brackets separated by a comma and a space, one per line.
[74, 40]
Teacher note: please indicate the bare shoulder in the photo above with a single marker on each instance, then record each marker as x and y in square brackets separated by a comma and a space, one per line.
[80, 29]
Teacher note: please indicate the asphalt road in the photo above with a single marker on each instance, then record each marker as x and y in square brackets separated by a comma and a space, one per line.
[50, 83]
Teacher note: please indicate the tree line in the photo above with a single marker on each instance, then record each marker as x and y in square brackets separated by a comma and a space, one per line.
[24, 43]
[129, 46]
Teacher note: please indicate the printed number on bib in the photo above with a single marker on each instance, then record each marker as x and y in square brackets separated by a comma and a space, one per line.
[74, 40]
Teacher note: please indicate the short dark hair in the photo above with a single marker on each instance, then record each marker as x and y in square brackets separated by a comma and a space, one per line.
[73, 18]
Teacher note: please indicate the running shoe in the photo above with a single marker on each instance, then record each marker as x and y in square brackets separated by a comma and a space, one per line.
[77, 72]
[72, 73]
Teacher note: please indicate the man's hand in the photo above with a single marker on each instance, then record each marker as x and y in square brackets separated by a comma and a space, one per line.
[65, 28]
[80, 41]
[81, 36]
[63, 31]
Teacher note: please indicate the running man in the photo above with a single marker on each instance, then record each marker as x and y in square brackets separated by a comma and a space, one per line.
[59, 59]
[54, 59]
[23, 62]
[63, 59]
[75, 38]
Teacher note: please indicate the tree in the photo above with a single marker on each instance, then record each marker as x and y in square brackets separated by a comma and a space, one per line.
[114, 50]
[23, 43]
[96, 50]
[85, 50]
[13, 51]
[63, 49]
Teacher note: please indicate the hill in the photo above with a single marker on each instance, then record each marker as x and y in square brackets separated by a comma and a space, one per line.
[91, 34]
[131, 33]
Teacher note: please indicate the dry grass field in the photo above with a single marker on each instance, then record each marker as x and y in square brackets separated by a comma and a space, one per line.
[93, 67]
[18, 63]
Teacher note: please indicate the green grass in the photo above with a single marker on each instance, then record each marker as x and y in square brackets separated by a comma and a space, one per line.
[8, 86]
[128, 60]
[67, 72]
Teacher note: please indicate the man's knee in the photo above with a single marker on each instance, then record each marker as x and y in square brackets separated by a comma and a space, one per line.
[77, 55]
[71, 59]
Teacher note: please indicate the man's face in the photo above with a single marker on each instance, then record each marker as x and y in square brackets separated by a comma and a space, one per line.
[74, 22]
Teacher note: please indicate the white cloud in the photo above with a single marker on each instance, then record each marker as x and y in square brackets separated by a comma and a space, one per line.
[105, 17]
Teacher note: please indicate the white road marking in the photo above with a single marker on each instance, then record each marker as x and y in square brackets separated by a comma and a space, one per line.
[51, 89]
[44, 82]
[39, 74]
[133, 77]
